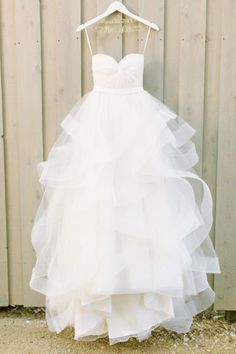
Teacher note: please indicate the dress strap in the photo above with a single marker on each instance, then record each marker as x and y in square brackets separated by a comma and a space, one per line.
[89, 44]
[146, 39]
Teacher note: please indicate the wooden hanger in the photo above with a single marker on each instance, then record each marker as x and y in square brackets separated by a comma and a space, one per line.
[117, 6]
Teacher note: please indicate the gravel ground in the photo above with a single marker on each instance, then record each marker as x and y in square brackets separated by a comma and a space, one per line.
[24, 331]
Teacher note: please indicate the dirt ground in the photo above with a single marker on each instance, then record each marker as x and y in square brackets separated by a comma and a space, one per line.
[24, 331]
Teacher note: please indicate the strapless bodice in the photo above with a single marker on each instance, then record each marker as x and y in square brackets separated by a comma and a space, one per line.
[111, 75]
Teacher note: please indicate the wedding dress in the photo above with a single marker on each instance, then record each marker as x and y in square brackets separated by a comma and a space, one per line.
[121, 235]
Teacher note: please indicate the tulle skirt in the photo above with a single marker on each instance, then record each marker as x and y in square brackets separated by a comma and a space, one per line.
[121, 234]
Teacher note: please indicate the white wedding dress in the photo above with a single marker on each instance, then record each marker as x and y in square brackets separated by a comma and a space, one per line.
[122, 231]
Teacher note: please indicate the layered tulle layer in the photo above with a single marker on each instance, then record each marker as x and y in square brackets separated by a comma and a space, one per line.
[122, 232]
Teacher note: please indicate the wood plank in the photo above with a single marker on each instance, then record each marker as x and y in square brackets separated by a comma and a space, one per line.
[171, 54]
[192, 75]
[8, 47]
[61, 57]
[211, 106]
[225, 283]
[191, 68]
[29, 121]
[4, 294]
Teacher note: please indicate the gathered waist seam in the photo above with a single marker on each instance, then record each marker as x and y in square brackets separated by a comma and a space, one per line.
[118, 91]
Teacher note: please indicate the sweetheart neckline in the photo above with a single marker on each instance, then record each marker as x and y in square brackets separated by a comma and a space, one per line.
[116, 61]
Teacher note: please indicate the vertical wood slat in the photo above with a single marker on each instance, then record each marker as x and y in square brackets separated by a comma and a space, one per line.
[192, 75]
[191, 68]
[61, 57]
[29, 120]
[171, 54]
[9, 74]
[4, 295]
[211, 105]
[225, 284]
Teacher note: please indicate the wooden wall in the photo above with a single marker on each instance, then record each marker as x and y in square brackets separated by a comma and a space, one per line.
[46, 66]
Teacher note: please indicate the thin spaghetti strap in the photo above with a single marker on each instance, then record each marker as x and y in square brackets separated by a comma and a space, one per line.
[87, 36]
[146, 39]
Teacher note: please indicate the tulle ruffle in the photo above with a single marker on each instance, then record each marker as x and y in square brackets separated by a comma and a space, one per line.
[122, 231]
